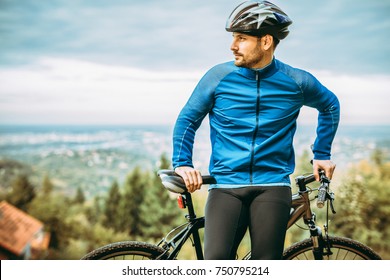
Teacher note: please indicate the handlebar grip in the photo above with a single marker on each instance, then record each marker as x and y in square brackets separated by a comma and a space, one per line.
[208, 180]
[321, 196]
[322, 190]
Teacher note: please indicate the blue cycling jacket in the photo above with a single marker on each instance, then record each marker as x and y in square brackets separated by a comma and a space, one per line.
[252, 116]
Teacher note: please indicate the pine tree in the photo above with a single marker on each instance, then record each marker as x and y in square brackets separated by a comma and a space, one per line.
[79, 197]
[112, 217]
[159, 211]
[133, 196]
[146, 210]
[22, 193]
[164, 162]
[47, 186]
[54, 212]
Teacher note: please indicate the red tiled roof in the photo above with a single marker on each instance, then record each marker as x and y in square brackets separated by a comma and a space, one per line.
[17, 228]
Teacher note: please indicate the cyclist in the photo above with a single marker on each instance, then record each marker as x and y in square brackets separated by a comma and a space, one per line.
[253, 103]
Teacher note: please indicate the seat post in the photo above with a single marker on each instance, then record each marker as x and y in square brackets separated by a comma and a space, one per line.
[191, 212]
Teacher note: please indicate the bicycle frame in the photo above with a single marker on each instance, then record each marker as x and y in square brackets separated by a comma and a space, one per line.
[318, 247]
[300, 208]
[191, 228]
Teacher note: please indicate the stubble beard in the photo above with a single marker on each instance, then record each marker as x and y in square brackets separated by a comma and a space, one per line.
[250, 60]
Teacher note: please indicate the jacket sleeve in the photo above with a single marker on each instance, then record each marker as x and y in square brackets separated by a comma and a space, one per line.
[318, 96]
[190, 118]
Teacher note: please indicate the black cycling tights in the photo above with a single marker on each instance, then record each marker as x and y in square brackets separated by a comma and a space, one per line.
[229, 212]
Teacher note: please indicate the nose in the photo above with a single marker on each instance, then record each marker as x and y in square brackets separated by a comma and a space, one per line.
[234, 46]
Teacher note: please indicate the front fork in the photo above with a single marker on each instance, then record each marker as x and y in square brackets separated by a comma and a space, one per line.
[321, 246]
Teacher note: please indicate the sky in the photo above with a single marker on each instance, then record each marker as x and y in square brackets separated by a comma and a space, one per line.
[137, 62]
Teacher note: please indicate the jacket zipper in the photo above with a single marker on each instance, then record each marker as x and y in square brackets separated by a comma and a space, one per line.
[251, 167]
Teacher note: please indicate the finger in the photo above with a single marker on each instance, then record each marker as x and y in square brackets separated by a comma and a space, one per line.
[316, 171]
[191, 177]
[330, 170]
[200, 181]
[196, 179]
[189, 180]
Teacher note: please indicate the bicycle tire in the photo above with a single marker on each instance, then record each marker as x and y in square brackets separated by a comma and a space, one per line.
[342, 248]
[126, 250]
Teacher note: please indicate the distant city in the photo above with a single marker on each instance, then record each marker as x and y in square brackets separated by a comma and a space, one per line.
[93, 157]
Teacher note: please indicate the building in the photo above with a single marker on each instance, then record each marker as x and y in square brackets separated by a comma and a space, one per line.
[21, 235]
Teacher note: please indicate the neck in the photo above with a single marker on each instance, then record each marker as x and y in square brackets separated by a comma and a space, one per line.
[265, 61]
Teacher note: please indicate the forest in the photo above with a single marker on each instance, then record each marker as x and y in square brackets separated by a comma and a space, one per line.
[139, 208]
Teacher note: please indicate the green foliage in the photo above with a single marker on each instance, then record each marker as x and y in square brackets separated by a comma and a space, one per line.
[134, 192]
[47, 186]
[97, 235]
[9, 170]
[22, 192]
[141, 209]
[363, 204]
[112, 218]
[54, 212]
[79, 197]
[159, 210]
[144, 209]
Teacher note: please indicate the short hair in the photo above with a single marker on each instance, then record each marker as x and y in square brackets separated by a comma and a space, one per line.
[276, 42]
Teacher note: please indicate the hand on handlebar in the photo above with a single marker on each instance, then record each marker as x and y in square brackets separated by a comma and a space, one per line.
[326, 165]
[192, 177]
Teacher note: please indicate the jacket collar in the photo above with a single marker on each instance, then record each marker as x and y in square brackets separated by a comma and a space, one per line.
[262, 73]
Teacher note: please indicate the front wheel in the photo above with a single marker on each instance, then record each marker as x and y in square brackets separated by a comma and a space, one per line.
[341, 248]
[127, 250]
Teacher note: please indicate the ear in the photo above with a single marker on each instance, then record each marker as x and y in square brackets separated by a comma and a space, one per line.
[267, 42]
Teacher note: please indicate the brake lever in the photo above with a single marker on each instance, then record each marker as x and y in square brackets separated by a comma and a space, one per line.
[331, 199]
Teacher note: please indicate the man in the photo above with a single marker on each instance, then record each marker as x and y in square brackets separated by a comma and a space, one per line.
[253, 104]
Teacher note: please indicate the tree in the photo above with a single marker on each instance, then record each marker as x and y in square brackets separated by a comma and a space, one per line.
[164, 162]
[362, 203]
[145, 210]
[22, 192]
[54, 212]
[134, 192]
[47, 186]
[79, 197]
[159, 210]
[112, 217]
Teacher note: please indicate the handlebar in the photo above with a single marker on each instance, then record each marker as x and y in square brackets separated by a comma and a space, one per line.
[323, 190]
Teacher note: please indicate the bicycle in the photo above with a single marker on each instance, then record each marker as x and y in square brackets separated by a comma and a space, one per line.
[319, 246]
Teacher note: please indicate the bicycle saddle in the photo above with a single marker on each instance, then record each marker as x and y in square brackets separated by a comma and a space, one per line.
[171, 181]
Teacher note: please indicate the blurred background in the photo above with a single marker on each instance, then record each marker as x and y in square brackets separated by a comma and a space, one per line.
[90, 90]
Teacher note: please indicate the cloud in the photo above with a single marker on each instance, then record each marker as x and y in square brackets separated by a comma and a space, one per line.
[363, 98]
[169, 34]
[71, 91]
[75, 92]
[344, 36]
[121, 61]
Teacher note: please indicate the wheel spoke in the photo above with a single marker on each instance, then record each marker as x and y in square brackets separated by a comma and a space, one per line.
[128, 250]
[341, 247]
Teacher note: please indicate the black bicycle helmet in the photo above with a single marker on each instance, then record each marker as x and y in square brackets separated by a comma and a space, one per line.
[259, 18]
